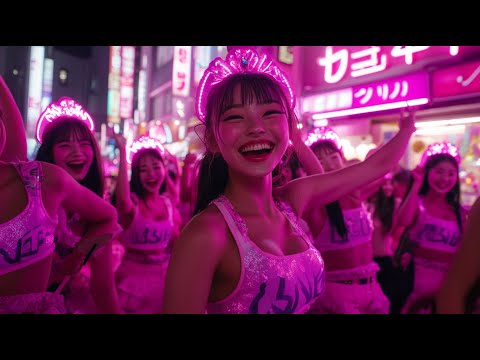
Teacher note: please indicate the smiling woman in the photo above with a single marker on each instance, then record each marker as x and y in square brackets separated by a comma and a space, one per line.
[244, 251]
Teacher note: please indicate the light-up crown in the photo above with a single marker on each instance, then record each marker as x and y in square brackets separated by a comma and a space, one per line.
[239, 61]
[441, 148]
[323, 133]
[64, 107]
[144, 142]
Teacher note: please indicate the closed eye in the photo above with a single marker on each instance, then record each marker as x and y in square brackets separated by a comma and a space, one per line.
[232, 117]
[273, 112]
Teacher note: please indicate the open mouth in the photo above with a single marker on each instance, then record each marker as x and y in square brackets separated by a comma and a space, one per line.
[151, 183]
[76, 167]
[258, 151]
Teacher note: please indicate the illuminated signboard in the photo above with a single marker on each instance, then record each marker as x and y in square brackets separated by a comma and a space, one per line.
[127, 81]
[182, 60]
[456, 81]
[409, 90]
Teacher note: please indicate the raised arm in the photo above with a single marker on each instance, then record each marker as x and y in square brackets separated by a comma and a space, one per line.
[465, 270]
[329, 187]
[16, 144]
[123, 202]
[409, 208]
[305, 155]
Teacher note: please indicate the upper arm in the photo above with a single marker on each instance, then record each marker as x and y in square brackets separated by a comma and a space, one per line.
[328, 187]
[76, 198]
[195, 257]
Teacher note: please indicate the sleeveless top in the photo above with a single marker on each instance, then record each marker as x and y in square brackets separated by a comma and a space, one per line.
[28, 237]
[359, 230]
[149, 234]
[435, 233]
[270, 283]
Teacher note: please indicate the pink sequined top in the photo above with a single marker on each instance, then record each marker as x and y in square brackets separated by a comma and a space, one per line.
[359, 230]
[149, 234]
[435, 233]
[270, 284]
[29, 237]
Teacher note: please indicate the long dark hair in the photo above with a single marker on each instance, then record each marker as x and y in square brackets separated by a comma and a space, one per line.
[135, 183]
[334, 210]
[64, 129]
[213, 172]
[453, 196]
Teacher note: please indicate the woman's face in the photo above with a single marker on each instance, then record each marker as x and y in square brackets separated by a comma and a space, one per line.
[330, 160]
[75, 156]
[152, 173]
[442, 177]
[252, 138]
[387, 187]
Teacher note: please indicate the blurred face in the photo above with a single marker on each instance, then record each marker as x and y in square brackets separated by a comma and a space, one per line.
[399, 189]
[152, 173]
[443, 177]
[387, 187]
[252, 138]
[75, 156]
[330, 160]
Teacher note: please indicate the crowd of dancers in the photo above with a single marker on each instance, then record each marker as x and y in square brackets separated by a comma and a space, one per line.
[265, 221]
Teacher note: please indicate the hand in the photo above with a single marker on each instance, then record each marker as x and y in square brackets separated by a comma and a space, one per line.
[296, 134]
[407, 120]
[189, 160]
[121, 141]
[418, 173]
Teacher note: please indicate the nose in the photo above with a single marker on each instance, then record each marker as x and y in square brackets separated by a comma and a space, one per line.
[255, 125]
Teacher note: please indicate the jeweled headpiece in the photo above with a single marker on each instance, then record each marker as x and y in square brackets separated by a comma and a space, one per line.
[239, 61]
[323, 133]
[440, 148]
[144, 142]
[64, 107]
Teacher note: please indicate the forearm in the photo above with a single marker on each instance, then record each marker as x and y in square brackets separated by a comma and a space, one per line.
[405, 214]
[122, 190]
[307, 158]
[16, 146]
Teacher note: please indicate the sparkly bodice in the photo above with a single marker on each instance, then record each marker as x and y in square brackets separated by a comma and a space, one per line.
[29, 237]
[270, 283]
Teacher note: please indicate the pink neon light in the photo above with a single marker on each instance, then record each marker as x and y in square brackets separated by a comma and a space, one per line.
[144, 142]
[64, 107]
[459, 80]
[368, 109]
[440, 148]
[240, 60]
[323, 133]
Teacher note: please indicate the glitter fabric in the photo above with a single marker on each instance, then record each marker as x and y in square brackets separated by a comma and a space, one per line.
[359, 231]
[148, 234]
[29, 237]
[36, 303]
[270, 284]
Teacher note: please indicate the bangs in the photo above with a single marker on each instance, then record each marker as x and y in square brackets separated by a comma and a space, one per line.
[254, 88]
[67, 129]
[436, 159]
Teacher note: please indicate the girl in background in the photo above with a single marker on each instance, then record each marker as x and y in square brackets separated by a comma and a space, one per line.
[151, 224]
[65, 132]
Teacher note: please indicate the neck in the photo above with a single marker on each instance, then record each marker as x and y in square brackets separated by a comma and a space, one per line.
[251, 195]
[435, 198]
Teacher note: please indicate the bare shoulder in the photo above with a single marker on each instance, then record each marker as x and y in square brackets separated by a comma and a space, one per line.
[207, 230]
[53, 176]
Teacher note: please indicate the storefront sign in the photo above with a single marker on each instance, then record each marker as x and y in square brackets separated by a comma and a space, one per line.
[409, 90]
[456, 81]
[182, 60]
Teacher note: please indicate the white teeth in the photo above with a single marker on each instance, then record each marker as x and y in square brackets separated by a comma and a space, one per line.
[256, 147]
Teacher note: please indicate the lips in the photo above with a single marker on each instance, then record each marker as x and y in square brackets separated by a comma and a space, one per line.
[256, 150]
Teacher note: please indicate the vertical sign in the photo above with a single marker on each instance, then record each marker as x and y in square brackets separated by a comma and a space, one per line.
[182, 60]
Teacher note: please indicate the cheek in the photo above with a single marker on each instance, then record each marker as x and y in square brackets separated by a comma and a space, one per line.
[59, 155]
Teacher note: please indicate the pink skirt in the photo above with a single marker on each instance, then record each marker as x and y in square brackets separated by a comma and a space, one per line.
[35, 303]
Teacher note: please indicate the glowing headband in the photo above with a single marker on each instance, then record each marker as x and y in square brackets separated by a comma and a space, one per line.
[144, 142]
[64, 107]
[440, 148]
[238, 61]
[321, 134]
